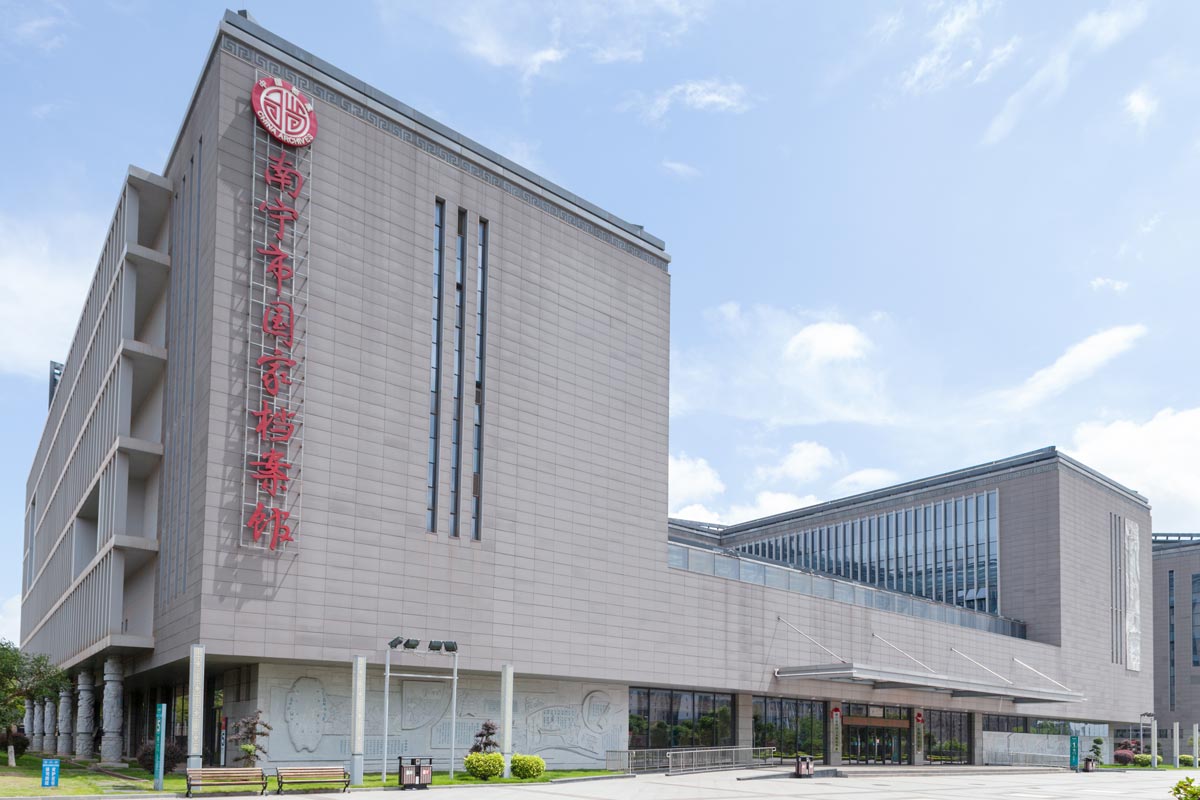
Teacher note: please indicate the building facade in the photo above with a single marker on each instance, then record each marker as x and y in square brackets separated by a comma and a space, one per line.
[1177, 631]
[344, 375]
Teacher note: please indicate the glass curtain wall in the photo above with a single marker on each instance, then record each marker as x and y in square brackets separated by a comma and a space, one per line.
[663, 718]
[948, 737]
[790, 726]
[946, 551]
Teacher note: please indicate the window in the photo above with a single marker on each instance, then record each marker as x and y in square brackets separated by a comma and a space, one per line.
[481, 277]
[435, 367]
[791, 726]
[1171, 636]
[1196, 620]
[460, 255]
[662, 718]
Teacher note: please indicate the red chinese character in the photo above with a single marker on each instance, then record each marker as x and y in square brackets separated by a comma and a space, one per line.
[281, 213]
[276, 375]
[277, 268]
[274, 424]
[279, 321]
[272, 473]
[282, 172]
[274, 517]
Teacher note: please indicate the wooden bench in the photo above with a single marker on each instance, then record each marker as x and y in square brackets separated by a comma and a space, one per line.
[287, 775]
[225, 776]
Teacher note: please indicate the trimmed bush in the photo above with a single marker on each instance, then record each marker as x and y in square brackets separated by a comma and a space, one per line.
[173, 756]
[1124, 757]
[527, 767]
[1185, 760]
[19, 741]
[1143, 760]
[484, 765]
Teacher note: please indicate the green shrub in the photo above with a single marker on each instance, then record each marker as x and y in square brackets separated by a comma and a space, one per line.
[19, 742]
[173, 756]
[1143, 760]
[484, 765]
[527, 767]
[1186, 760]
[1186, 789]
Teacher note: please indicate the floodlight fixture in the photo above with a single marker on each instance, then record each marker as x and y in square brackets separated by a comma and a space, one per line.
[411, 644]
[451, 647]
[435, 646]
[394, 643]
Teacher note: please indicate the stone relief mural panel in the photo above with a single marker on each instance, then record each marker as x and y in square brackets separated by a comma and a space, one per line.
[569, 723]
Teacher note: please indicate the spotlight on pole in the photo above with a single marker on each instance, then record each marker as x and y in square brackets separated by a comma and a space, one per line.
[435, 646]
[394, 643]
[412, 644]
[451, 647]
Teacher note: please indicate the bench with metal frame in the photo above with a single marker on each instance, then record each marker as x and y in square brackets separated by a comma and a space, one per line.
[226, 776]
[291, 775]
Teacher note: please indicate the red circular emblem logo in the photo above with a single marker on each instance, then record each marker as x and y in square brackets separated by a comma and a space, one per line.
[284, 111]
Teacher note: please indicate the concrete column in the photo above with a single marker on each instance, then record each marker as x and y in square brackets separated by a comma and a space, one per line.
[195, 759]
[744, 720]
[28, 717]
[50, 720]
[358, 717]
[918, 736]
[976, 738]
[65, 698]
[85, 716]
[112, 744]
[506, 716]
[833, 747]
[1175, 736]
[1195, 745]
[37, 739]
[1154, 744]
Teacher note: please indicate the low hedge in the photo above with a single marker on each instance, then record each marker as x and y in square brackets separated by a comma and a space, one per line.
[484, 765]
[527, 767]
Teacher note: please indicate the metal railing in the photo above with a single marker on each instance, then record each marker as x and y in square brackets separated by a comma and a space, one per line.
[659, 759]
[680, 762]
[1005, 758]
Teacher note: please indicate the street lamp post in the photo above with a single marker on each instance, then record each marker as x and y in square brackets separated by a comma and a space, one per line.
[1142, 729]
[387, 690]
[435, 646]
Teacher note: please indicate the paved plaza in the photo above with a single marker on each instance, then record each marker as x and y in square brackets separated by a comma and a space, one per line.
[918, 785]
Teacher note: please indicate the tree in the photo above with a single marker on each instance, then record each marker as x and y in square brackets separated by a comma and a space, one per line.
[248, 730]
[25, 676]
[484, 743]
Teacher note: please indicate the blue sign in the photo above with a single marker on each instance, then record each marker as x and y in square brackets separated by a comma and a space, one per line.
[1075, 753]
[50, 772]
[160, 724]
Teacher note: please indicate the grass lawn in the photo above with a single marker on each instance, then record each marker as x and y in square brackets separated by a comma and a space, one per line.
[25, 780]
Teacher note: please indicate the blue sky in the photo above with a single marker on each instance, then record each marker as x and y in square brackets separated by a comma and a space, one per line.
[907, 237]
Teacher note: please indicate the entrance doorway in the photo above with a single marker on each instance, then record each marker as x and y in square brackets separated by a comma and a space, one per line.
[870, 744]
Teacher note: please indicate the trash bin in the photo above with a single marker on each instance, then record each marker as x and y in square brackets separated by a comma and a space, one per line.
[416, 774]
[1089, 764]
[804, 767]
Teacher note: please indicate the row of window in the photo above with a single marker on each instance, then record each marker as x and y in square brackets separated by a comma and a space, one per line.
[1171, 635]
[459, 370]
[946, 551]
[710, 562]
[1006, 723]
[790, 726]
[662, 718]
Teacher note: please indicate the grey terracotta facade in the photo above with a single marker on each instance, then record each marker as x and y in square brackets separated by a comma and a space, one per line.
[134, 518]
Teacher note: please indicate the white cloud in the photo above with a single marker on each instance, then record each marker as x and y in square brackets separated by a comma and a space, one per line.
[886, 27]
[1095, 32]
[712, 95]
[955, 38]
[1080, 361]
[1149, 225]
[864, 480]
[43, 27]
[1156, 457]
[10, 619]
[680, 169]
[1140, 107]
[1099, 284]
[765, 504]
[997, 59]
[43, 110]
[45, 268]
[825, 342]
[804, 462]
[779, 367]
[528, 36]
[691, 480]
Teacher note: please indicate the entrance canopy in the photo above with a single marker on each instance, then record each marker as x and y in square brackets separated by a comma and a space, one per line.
[892, 678]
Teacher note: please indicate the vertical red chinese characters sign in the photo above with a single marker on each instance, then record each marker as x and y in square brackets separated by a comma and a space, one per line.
[277, 300]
